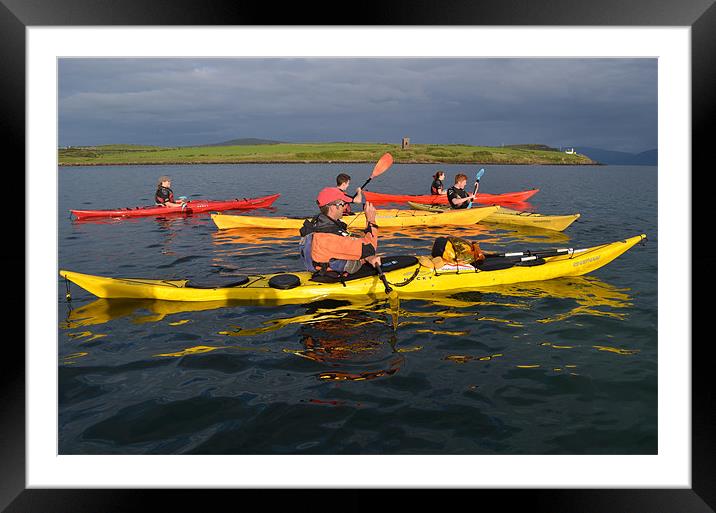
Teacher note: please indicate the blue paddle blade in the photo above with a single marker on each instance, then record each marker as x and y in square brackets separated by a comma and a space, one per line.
[477, 179]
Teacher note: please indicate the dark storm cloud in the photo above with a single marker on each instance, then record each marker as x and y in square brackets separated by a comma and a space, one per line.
[610, 103]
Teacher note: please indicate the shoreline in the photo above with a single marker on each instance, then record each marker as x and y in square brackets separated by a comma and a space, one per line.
[316, 153]
[460, 163]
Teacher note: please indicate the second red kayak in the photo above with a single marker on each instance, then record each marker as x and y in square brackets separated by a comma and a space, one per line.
[430, 199]
[192, 207]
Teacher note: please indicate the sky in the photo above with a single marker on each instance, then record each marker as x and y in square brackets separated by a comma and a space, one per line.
[600, 103]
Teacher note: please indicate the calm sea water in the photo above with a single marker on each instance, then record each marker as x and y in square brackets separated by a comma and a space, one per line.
[565, 366]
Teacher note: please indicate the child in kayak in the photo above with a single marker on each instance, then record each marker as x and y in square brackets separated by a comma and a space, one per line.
[326, 244]
[165, 196]
[458, 197]
[437, 187]
[343, 181]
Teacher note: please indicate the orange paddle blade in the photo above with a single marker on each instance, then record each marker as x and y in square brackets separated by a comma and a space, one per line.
[382, 165]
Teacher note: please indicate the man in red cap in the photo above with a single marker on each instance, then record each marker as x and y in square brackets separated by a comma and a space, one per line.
[326, 244]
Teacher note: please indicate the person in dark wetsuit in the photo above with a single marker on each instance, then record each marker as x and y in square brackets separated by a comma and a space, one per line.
[458, 197]
[165, 196]
[342, 182]
[437, 186]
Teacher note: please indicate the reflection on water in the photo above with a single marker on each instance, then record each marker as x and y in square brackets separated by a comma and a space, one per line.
[360, 339]
[242, 236]
[206, 349]
[360, 346]
[591, 294]
[101, 311]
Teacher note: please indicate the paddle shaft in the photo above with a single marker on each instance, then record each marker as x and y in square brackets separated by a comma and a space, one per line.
[469, 205]
[362, 187]
[477, 181]
[388, 288]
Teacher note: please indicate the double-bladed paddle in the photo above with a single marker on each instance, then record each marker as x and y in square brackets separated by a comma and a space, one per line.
[380, 167]
[388, 288]
[392, 294]
[534, 254]
[477, 181]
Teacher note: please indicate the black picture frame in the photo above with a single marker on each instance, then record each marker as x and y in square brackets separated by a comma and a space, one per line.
[700, 15]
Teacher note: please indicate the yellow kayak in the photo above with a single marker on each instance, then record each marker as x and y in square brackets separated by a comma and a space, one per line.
[407, 275]
[389, 218]
[588, 292]
[514, 217]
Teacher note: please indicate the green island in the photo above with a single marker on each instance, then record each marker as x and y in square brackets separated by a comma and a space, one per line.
[125, 154]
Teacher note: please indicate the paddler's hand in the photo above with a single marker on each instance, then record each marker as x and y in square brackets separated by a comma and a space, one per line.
[369, 211]
[358, 196]
[373, 260]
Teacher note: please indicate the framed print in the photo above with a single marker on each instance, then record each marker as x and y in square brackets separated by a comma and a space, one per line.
[69, 58]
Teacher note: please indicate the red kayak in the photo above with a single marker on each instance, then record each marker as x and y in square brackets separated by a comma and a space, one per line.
[434, 199]
[192, 207]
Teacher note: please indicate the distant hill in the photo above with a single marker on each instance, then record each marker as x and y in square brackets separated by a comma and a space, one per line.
[241, 142]
[536, 147]
[305, 153]
[620, 158]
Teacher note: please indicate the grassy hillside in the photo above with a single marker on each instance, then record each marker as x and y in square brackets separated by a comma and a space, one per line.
[314, 153]
[242, 142]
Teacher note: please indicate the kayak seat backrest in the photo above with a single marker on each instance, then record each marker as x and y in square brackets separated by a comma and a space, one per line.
[390, 263]
[218, 283]
[284, 281]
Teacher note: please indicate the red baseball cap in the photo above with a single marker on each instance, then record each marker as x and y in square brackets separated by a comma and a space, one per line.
[331, 194]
